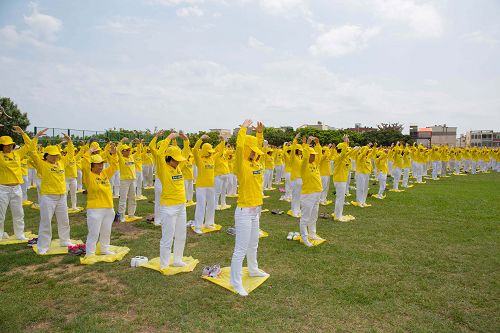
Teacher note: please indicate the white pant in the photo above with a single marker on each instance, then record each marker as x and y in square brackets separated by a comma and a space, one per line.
[31, 177]
[158, 190]
[173, 230]
[406, 177]
[268, 179]
[279, 173]
[13, 196]
[339, 198]
[38, 183]
[288, 186]
[296, 189]
[188, 188]
[115, 182]
[246, 243]
[99, 222]
[396, 177]
[221, 183]
[232, 187]
[309, 204]
[147, 173]
[205, 206]
[24, 187]
[362, 187]
[127, 196]
[348, 183]
[325, 182]
[50, 205]
[138, 183]
[79, 180]
[382, 181]
[435, 169]
[71, 187]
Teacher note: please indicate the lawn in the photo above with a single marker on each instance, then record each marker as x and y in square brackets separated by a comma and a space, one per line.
[427, 259]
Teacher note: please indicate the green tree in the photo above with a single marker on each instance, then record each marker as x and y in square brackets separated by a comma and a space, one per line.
[12, 116]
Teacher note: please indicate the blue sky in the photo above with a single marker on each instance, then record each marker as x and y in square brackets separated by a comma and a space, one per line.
[199, 64]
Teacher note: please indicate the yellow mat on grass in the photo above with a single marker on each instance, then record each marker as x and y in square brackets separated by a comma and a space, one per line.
[289, 213]
[141, 197]
[219, 207]
[249, 283]
[27, 203]
[314, 242]
[326, 203]
[55, 248]
[120, 252]
[263, 234]
[191, 203]
[73, 211]
[155, 265]
[130, 219]
[207, 230]
[13, 240]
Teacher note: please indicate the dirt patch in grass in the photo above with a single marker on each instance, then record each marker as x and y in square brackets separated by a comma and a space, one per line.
[127, 231]
[40, 326]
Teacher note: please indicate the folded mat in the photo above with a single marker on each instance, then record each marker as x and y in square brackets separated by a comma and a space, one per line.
[13, 240]
[120, 252]
[207, 230]
[54, 247]
[249, 283]
[170, 270]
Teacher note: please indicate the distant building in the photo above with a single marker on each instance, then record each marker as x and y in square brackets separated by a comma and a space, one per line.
[250, 130]
[482, 138]
[461, 142]
[223, 132]
[319, 126]
[440, 135]
[360, 129]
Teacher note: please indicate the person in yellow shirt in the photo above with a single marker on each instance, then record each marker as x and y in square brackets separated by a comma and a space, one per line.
[221, 174]
[397, 166]
[279, 167]
[249, 171]
[205, 191]
[436, 162]
[147, 167]
[172, 201]
[363, 171]
[100, 212]
[53, 195]
[382, 165]
[325, 170]
[127, 180]
[11, 179]
[137, 153]
[269, 166]
[187, 169]
[342, 165]
[406, 167]
[232, 190]
[295, 177]
[71, 174]
[287, 150]
[311, 191]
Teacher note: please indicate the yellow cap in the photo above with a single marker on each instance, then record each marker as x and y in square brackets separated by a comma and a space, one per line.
[207, 148]
[95, 145]
[251, 142]
[312, 151]
[175, 153]
[96, 159]
[342, 145]
[6, 140]
[124, 147]
[52, 150]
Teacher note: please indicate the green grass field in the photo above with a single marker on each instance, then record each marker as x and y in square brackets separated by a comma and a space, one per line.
[427, 259]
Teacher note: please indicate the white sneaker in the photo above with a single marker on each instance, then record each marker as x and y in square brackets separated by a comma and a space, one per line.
[198, 231]
[4, 236]
[259, 273]
[65, 244]
[210, 226]
[42, 252]
[241, 291]
[179, 264]
[105, 253]
[22, 238]
[314, 237]
[307, 242]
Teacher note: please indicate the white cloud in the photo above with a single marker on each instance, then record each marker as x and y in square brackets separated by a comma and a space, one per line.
[481, 38]
[173, 2]
[422, 18]
[342, 40]
[189, 11]
[285, 7]
[254, 43]
[124, 25]
[42, 29]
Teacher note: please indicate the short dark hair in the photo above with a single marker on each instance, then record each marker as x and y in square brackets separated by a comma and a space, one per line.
[168, 159]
